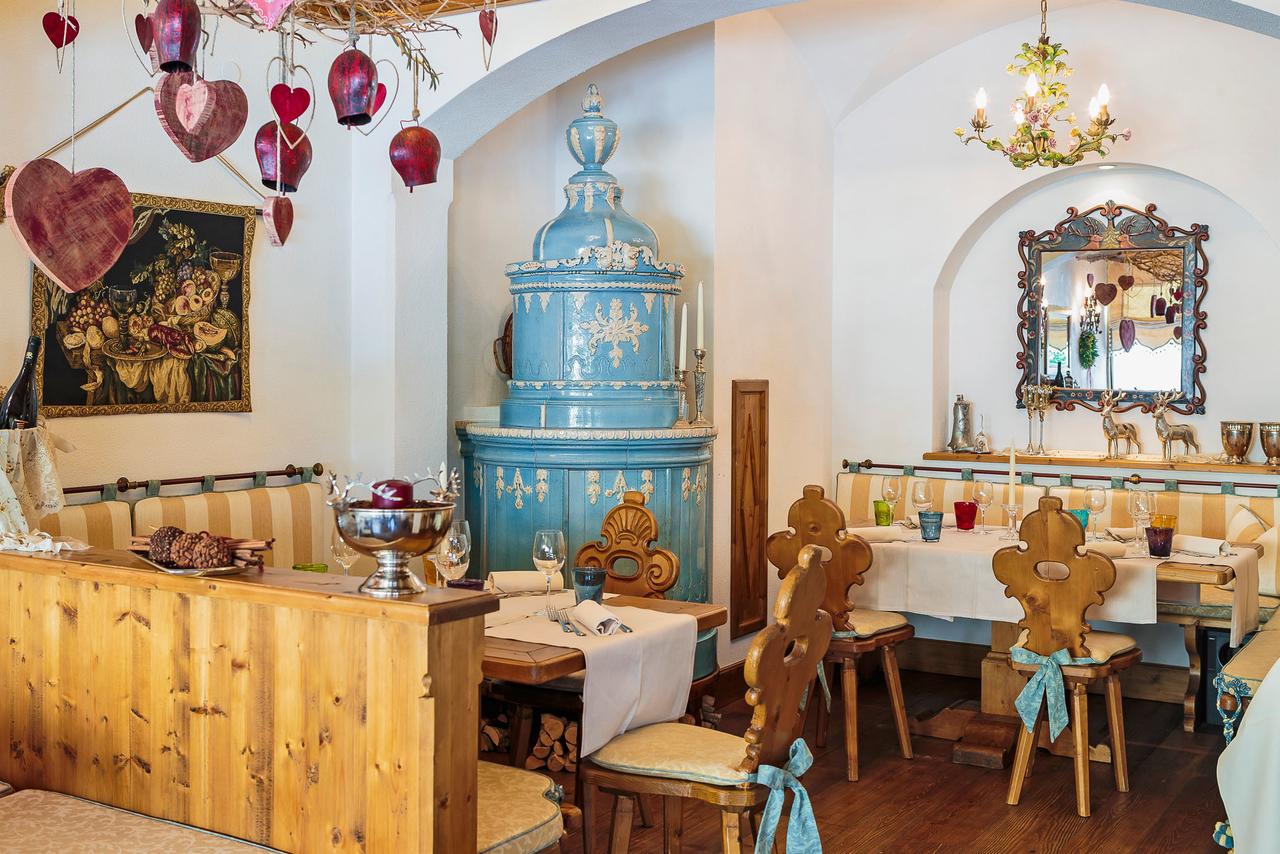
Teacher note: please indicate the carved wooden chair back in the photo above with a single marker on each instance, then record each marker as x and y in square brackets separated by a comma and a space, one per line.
[782, 663]
[817, 520]
[1053, 606]
[628, 534]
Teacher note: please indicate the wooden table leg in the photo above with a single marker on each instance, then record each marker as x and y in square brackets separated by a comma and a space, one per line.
[1189, 633]
[989, 735]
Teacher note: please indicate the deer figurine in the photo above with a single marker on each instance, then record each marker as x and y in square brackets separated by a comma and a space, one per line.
[1170, 433]
[1114, 430]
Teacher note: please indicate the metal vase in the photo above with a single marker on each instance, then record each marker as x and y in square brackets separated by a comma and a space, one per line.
[281, 165]
[1237, 438]
[176, 28]
[393, 537]
[415, 155]
[353, 87]
[1269, 438]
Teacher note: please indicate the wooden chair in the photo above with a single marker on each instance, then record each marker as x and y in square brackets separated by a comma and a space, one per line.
[628, 534]
[1054, 605]
[680, 761]
[817, 520]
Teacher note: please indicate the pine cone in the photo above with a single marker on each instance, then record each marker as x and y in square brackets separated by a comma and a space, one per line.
[162, 543]
[210, 553]
[182, 552]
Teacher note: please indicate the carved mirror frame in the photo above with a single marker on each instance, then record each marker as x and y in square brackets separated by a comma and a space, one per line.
[1114, 226]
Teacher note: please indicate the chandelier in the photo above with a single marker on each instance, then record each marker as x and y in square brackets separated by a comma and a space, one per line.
[1038, 114]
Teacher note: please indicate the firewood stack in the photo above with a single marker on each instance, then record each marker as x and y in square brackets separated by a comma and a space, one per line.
[495, 734]
[557, 746]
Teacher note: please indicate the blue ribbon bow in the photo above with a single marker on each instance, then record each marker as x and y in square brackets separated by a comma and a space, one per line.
[802, 829]
[1047, 682]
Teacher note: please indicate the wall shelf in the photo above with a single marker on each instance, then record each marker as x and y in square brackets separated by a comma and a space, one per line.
[1095, 460]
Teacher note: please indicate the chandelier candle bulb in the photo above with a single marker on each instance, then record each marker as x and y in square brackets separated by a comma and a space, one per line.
[980, 102]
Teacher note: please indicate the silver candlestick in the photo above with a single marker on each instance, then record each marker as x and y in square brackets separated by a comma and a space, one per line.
[699, 388]
[682, 416]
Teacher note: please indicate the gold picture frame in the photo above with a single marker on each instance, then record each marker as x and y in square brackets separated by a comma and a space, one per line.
[165, 330]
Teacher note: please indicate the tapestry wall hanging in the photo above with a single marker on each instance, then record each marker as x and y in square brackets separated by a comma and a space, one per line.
[166, 328]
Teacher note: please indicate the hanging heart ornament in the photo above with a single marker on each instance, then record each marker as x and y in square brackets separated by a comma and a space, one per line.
[1128, 334]
[146, 36]
[203, 119]
[1105, 292]
[277, 215]
[270, 11]
[488, 20]
[289, 103]
[74, 227]
[1125, 282]
[61, 31]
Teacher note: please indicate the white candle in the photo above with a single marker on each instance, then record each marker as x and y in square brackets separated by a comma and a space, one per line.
[702, 326]
[684, 335]
[1013, 470]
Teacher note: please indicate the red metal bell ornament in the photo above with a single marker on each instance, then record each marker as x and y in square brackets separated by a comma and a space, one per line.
[415, 154]
[175, 25]
[284, 155]
[353, 87]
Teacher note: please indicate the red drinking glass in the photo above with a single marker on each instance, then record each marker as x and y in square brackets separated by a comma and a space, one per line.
[966, 513]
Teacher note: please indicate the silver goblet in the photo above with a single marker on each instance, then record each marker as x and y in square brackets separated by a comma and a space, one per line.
[1237, 438]
[393, 537]
[1269, 438]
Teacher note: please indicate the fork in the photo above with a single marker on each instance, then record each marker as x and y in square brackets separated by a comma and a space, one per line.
[567, 620]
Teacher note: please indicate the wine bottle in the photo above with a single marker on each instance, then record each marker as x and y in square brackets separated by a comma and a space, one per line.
[1057, 380]
[19, 408]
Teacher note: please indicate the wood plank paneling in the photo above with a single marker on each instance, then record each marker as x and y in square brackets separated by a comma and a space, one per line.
[749, 508]
[301, 728]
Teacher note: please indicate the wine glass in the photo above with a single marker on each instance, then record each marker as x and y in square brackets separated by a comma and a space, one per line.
[984, 492]
[343, 553]
[548, 556]
[921, 496]
[455, 551]
[891, 492]
[1140, 510]
[1095, 498]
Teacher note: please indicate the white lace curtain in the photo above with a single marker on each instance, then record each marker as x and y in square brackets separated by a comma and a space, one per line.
[30, 488]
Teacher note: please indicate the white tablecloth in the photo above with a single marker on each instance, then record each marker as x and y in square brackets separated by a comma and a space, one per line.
[1249, 772]
[953, 578]
[632, 679]
[29, 484]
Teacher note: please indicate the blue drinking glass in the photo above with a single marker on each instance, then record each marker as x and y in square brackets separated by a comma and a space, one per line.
[588, 583]
[931, 525]
[1082, 516]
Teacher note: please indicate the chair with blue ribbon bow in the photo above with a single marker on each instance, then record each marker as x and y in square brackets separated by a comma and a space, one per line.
[746, 777]
[817, 520]
[1056, 581]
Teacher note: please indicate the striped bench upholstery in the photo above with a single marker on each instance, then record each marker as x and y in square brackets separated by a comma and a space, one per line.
[103, 525]
[856, 494]
[296, 516]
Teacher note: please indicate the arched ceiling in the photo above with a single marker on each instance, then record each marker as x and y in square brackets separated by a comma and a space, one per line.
[854, 47]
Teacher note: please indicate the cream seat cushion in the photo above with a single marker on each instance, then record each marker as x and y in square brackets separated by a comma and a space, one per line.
[681, 751]
[866, 623]
[514, 811]
[1257, 656]
[1102, 645]
[296, 516]
[5, 789]
[103, 524]
[1246, 526]
[38, 822]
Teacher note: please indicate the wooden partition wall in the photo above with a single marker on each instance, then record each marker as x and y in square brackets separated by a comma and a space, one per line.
[279, 708]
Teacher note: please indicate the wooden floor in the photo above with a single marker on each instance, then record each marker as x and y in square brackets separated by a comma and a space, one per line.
[930, 804]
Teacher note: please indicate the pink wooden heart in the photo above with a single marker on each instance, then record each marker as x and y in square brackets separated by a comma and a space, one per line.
[1105, 292]
[61, 31]
[1128, 334]
[489, 25]
[74, 227]
[146, 36]
[220, 124]
[277, 215]
[191, 103]
[289, 103]
[270, 11]
[1125, 282]
[379, 98]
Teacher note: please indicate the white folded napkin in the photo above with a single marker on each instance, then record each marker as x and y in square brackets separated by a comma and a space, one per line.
[1123, 535]
[1200, 546]
[1112, 550]
[883, 534]
[597, 618]
[524, 581]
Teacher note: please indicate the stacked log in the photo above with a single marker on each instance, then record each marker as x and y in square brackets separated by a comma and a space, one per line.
[495, 734]
[557, 747]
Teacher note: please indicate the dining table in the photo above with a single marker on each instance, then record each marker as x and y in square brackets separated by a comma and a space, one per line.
[952, 578]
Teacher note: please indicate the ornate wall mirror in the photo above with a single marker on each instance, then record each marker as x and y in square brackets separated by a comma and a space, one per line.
[1112, 298]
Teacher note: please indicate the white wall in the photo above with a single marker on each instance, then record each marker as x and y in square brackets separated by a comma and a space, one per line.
[299, 293]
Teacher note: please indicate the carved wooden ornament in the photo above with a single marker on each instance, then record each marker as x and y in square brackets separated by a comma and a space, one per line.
[1054, 608]
[74, 227]
[628, 533]
[203, 119]
[782, 663]
[817, 520]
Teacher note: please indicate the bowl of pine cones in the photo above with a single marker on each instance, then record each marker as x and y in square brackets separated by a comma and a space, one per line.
[180, 552]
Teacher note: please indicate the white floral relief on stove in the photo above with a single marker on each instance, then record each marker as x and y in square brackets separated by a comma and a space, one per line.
[700, 484]
[528, 301]
[540, 486]
[619, 487]
[519, 490]
[648, 302]
[646, 485]
[499, 484]
[685, 484]
[618, 328]
[593, 486]
[543, 300]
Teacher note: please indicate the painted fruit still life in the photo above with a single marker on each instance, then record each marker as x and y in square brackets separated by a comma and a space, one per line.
[165, 329]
